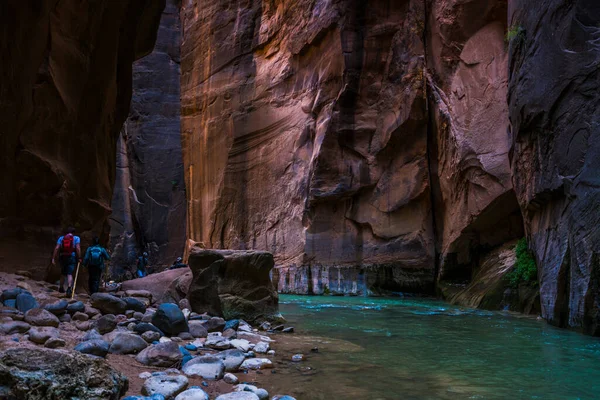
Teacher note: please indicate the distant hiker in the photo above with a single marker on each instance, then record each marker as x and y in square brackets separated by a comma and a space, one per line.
[68, 251]
[178, 264]
[142, 263]
[94, 261]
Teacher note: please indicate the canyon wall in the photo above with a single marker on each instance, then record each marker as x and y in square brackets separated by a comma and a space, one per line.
[149, 210]
[554, 99]
[65, 93]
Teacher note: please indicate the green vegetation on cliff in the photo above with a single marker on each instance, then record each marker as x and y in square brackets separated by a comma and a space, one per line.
[525, 269]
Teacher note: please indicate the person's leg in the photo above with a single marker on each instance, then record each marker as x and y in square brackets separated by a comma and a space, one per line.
[62, 282]
[94, 279]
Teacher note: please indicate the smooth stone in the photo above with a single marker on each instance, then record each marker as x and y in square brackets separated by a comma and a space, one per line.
[232, 324]
[150, 336]
[261, 393]
[134, 304]
[297, 357]
[261, 347]
[106, 323]
[75, 307]
[9, 328]
[11, 294]
[230, 334]
[55, 343]
[282, 397]
[169, 319]
[26, 302]
[65, 318]
[144, 327]
[138, 315]
[256, 363]
[83, 325]
[232, 359]
[12, 303]
[208, 367]
[91, 311]
[79, 316]
[57, 308]
[197, 329]
[91, 335]
[193, 394]
[215, 324]
[185, 336]
[191, 347]
[238, 396]
[108, 304]
[240, 344]
[217, 343]
[289, 330]
[167, 385]
[160, 355]
[41, 317]
[126, 343]
[145, 375]
[164, 339]
[186, 359]
[271, 352]
[94, 347]
[40, 335]
[231, 379]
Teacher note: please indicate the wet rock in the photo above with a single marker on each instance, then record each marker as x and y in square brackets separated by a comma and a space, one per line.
[208, 367]
[230, 378]
[39, 374]
[26, 302]
[166, 385]
[160, 355]
[238, 396]
[150, 336]
[193, 394]
[169, 319]
[261, 347]
[9, 328]
[55, 343]
[241, 344]
[126, 343]
[94, 347]
[226, 283]
[106, 323]
[40, 335]
[41, 317]
[232, 324]
[232, 359]
[197, 329]
[215, 324]
[256, 363]
[108, 304]
[79, 316]
[297, 357]
[75, 307]
[288, 330]
[261, 393]
[282, 397]
[134, 304]
[57, 308]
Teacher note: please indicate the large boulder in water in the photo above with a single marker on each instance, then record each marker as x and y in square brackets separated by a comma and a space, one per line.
[233, 284]
[169, 319]
[40, 374]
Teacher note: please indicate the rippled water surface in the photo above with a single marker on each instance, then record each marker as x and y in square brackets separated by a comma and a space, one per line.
[372, 348]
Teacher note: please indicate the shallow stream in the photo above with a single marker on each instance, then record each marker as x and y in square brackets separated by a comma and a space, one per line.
[372, 348]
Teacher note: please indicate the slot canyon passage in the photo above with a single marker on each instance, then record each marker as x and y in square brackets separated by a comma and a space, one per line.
[374, 199]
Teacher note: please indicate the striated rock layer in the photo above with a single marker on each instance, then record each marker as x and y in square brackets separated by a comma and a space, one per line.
[554, 99]
[65, 93]
[304, 130]
[149, 196]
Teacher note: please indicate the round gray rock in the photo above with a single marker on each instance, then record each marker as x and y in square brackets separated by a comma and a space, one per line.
[160, 355]
[192, 394]
[40, 335]
[108, 304]
[238, 396]
[208, 367]
[167, 385]
[150, 336]
[41, 317]
[197, 329]
[54, 343]
[106, 323]
[232, 359]
[126, 343]
[94, 347]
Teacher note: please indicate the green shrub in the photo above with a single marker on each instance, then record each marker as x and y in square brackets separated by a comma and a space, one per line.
[525, 270]
[514, 32]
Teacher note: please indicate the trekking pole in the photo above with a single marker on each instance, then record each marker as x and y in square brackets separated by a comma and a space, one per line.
[75, 282]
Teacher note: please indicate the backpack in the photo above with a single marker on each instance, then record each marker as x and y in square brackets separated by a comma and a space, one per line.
[95, 256]
[68, 245]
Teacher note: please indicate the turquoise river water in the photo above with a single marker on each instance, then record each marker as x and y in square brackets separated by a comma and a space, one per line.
[375, 348]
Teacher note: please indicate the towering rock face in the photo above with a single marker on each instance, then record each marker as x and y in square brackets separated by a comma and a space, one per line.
[554, 99]
[149, 212]
[66, 86]
[305, 134]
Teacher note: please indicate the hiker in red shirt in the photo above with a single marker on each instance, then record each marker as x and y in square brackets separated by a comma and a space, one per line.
[68, 249]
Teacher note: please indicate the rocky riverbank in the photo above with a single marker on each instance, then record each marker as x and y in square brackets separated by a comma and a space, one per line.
[145, 349]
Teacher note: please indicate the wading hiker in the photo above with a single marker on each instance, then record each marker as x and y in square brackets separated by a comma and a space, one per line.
[94, 261]
[178, 264]
[68, 251]
[142, 263]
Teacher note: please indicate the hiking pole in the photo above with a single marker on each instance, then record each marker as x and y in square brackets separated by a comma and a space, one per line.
[75, 281]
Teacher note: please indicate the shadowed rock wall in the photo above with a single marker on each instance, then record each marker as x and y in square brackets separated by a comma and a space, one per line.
[554, 99]
[65, 93]
[149, 212]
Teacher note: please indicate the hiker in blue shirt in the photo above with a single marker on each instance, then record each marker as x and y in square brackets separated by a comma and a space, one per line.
[94, 261]
[70, 252]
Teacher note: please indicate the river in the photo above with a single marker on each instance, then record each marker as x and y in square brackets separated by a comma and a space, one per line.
[395, 348]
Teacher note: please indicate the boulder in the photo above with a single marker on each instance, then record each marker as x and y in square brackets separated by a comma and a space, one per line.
[166, 385]
[11, 327]
[26, 302]
[169, 286]
[197, 329]
[256, 363]
[217, 342]
[134, 304]
[41, 317]
[40, 374]
[76, 306]
[55, 343]
[108, 304]
[238, 396]
[94, 347]
[91, 335]
[240, 344]
[193, 394]
[57, 308]
[261, 393]
[233, 284]
[40, 335]
[261, 347]
[169, 319]
[144, 327]
[215, 324]
[160, 355]
[106, 323]
[126, 343]
[139, 293]
[208, 367]
[232, 359]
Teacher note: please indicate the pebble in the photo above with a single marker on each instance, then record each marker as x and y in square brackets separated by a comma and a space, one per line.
[271, 352]
[282, 397]
[145, 375]
[297, 357]
[164, 339]
[231, 379]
